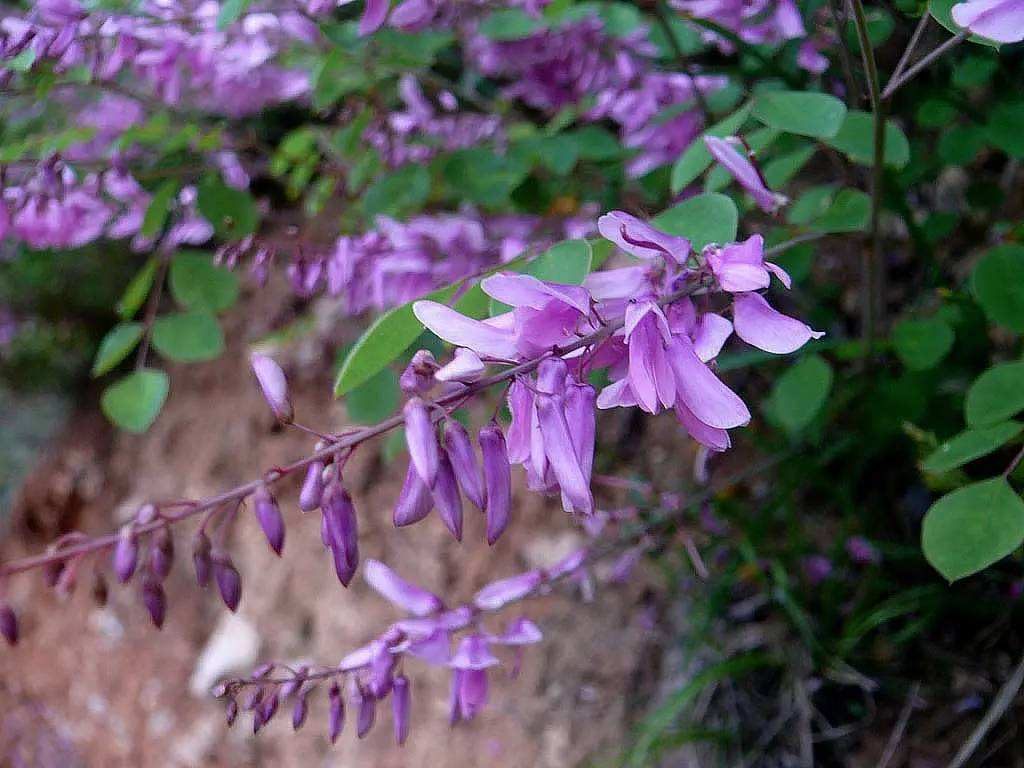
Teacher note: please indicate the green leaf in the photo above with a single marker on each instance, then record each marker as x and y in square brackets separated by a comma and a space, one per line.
[188, 337]
[23, 61]
[996, 395]
[849, 212]
[779, 170]
[388, 337]
[818, 115]
[197, 283]
[232, 212]
[397, 193]
[116, 346]
[230, 12]
[484, 177]
[708, 218]
[922, 344]
[969, 445]
[567, 262]
[373, 400]
[159, 207]
[1005, 122]
[975, 71]
[509, 24]
[133, 402]
[800, 393]
[941, 11]
[337, 75]
[960, 144]
[973, 527]
[856, 139]
[998, 282]
[595, 143]
[812, 204]
[696, 158]
[135, 294]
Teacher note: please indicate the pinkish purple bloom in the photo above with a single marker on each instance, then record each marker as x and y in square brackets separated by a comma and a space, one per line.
[998, 20]
[415, 600]
[742, 168]
[862, 551]
[126, 554]
[761, 326]
[505, 591]
[274, 385]
[640, 239]
[336, 712]
[400, 707]
[269, 516]
[414, 500]
[741, 267]
[497, 480]
[465, 367]
[421, 439]
[312, 487]
[460, 453]
[447, 498]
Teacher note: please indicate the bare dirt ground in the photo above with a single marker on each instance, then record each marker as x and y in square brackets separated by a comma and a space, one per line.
[99, 686]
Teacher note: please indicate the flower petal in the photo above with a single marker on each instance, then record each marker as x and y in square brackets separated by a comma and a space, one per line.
[462, 331]
[416, 600]
[761, 326]
[702, 392]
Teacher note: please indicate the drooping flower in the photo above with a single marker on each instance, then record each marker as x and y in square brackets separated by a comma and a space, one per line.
[469, 679]
[497, 480]
[415, 600]
[640, 239]
[274, 385]
[742, 168]
[763, 327]
[740, 267]
[998, 20]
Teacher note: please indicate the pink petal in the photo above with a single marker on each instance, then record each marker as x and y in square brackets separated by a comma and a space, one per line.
[465, 367]
[640, 239]
[711, 437]
[710, 336]
[393, 587]
[999, 20]
[761, 326]
[500, 593]
[375, 13]
[780, 273]
[702, 392]
[527, 291]
[617, 395]
[462, 331]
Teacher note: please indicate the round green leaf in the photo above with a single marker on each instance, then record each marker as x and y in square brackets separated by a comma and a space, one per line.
[115, 347]
[375, 399]
[188, 337]
[1004, 127]
[567, 262]
[232, 212]
[972, 527]
[969, 445]
[856, 139]
[197, 283]
[800, 393]
[849, 212]
[998, 282]
[397, 193]
[806, 113]
[922, 344]
[996, 395]
[133, 402]
[709, 218]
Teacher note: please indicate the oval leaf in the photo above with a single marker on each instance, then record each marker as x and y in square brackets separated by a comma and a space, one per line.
[969, 445]
[996, 395]
[708, 218]
[115, 347]
[375, 399]
[232, 212]
[197, 283]
[188, 337]
[922, 344]
[856, 139]
[696, 158]
[998, 282]
[800, 393]
[133, 402]
[818, 115]
[972, 527]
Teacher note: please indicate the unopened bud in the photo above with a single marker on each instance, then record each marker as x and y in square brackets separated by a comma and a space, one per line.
[274, 385]
[146, 514]
[8, 624]
[231, 711]
[229, 583]
[161, 553]
[299, 712]
[126, 554]
[269, 516]
[155, 600]
[201, 558]
[312, 487]
[336, 712]
[400, 705]
[366, 715]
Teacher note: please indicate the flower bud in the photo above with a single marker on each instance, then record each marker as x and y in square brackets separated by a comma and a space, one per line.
[497, 480]
[414, 500]
[268, 708]
[460, 452]
[155, 600]
[400, 705]
[8, 624]
[252, 699]
[312, 487]
[299, 712]
[146, 514]
[274, 385]
[336, 709]
[229, 583]
[447, 498]
[161, 553]
[341, 530]
[366, 715]
[421, 440]
[465, 367]
[126, 554]
[418, 376]
[99, 589]
[230, 711]
[201, 558]
[269, 516]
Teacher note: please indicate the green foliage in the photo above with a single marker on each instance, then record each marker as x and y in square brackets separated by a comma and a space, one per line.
[817, 115]
[116, 346]
[969, 445]
[922, 344]
[375, 399]
[231, 211]
[198, 284]
[397, 193]
[707, 218]
[188, 337]
[850, 211]
[696, 159]
[135, 293]
[509, 24]
[973, 527]
[1004, 127]
[800, 393]
[159, 207]
[133, 402]
[996, 395]
[856, 140]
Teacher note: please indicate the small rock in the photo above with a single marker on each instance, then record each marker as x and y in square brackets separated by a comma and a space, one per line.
[233, 647]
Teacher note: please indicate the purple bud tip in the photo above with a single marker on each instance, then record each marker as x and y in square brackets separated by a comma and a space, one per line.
[274, 385]
[201, 558]
[299, 712]
[270, 519]
[366, 716]
[146, 514]
[400, 705]
[336, 712]
[312, 487]
[126, 555]
[8, 624]
[229, 583]
[421, 440]
[155, 600]
[231, 711]
[161, 555]
[497, 480]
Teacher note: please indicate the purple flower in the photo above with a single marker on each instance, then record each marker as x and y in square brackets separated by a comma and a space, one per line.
[761, 326]
[816, 568]
[465, 367]
[126, 554]
[744, 171]
[414, 500]
[269, 516]
[862, 551]
[155, 600]
[336, 712]
[447, 498]
[650, 376]
[561, 454]
[421, 439]
[998, 20]
[640, 239]
[312, 487]
[504, 591]
[460, 453]
[522, 631]
[741, 267]
[339, 529]
[415, 600]
[497, 480]
[8, 624]
[229, 583]
[366, 712]
[373, 17]
[469, 680]
[274, 385]
[418, 376]
[400, 706]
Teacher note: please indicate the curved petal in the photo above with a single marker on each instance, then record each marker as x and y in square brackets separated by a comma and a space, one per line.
[702, 392]
[463, 331]
[710, 437]
[761, 326]
[527, 291]
[710, 335]
[998, 20]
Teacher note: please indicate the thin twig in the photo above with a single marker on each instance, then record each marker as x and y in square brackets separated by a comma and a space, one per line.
[911, 45]
[151, 309]
[901, 726]
[898, 82]
[1014, 462]
[839, 20]
[1000, 704]
[681, 60]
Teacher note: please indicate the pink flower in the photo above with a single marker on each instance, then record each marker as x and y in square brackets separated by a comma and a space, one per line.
[744, 171]
[998, 20]
[640, 239]
[761, 326]
[741, 266]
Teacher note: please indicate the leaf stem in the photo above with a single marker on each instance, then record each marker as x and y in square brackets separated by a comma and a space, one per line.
[897, 82]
